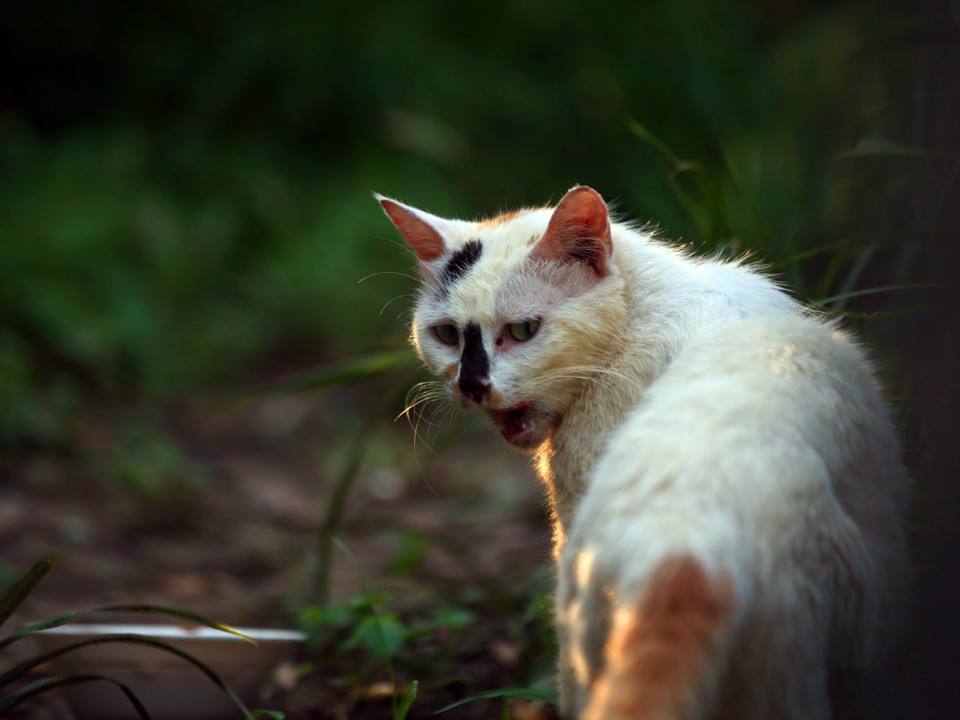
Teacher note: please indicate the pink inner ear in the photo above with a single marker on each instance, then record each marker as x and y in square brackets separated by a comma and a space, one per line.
[420, 235]
[579, 231]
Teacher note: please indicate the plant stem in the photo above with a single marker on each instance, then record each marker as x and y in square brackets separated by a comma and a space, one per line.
[333, 514]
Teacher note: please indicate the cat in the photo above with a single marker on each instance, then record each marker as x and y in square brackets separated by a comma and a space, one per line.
[724, 478]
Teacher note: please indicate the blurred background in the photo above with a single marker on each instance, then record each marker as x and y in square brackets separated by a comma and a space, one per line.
[202, 310]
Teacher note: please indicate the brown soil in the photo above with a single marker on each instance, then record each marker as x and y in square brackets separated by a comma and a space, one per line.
[241, 546]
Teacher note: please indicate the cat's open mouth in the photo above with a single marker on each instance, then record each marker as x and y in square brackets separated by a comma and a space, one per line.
[518, 425]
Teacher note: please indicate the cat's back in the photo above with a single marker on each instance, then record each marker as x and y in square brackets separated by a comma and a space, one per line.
[760, 387]
[763, 434]
[765, 452]
[759, 414]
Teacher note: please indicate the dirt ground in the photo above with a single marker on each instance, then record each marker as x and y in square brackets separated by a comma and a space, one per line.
[463, 524]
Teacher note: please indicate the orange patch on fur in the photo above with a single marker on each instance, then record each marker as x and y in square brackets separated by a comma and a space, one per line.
[658, 649]
[450, 370]
[500, 219]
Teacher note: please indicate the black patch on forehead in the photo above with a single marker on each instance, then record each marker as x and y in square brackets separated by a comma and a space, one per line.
[462, 260]
[474, 363]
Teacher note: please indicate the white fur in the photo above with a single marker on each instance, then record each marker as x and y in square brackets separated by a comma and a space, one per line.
[710, 416]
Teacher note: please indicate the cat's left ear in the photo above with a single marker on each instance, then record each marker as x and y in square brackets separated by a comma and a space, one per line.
[420, 229]
[579, 231]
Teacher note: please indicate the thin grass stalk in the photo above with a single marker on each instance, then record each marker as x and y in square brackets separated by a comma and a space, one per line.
[19, 591]
[333, 514]
[26, 665]
[43, 685]
[319, 586]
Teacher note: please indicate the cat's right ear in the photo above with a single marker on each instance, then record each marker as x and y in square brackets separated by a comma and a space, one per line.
[420, 229]
[579, 231]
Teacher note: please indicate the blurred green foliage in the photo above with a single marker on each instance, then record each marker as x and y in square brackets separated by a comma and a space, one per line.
[357, 637]
[184, 188]
[147, 463]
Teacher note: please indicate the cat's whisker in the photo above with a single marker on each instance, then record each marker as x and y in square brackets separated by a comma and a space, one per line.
[423, 387]
[387, 272]
[437, 409]
[592, 369]
[448, 413]
[392, 300]
[554, 376]
[418, 399]
[417, 436]
[585, 373]
[410, 408]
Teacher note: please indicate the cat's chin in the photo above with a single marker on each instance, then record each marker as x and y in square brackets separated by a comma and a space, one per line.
[522, 425]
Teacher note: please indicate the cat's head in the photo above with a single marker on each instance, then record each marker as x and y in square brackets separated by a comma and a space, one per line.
[518, 313]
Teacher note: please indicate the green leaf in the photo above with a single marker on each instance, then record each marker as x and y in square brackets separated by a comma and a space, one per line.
[10, 701]
[275, 714]
[454, 618]
[381, 635]
[327, 616]
[411, 550]
[381, 630]
[70, 615]
[406, 702]
[509, 693]
[339, 373]
[362, 603]
[27, 665]
[19, 591]
[881, 147]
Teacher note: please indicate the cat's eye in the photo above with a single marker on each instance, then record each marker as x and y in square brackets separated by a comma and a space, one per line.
[523, 330]
[447, 334]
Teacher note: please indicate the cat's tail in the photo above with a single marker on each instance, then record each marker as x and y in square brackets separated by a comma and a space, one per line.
[665, 652]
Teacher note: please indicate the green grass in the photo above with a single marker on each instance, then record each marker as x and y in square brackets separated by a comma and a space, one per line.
[15, 684]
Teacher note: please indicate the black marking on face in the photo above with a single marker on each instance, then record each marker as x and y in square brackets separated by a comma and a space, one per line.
[462, 260]
[474, 364]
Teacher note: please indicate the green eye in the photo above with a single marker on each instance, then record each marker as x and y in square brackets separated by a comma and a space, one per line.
[447, 334]
[523, 331]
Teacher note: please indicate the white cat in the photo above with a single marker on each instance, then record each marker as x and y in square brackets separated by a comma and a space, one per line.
[725, 480]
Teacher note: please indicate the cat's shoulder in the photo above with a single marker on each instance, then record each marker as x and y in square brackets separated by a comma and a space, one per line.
[772, 347]
[751, 374]
[748, 338]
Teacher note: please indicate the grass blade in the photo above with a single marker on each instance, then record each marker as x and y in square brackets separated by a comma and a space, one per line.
[406, 702]
[640, 131]
[696, 189]
[16, 697]
[70, 615]
[19, 591]
[346, 371]
[873, 291]
[881, 147]
[883, 315]
[27, 665]
[505, 693]
[804, 255]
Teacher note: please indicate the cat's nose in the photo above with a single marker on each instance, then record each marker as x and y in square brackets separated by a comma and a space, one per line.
[474, 388]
